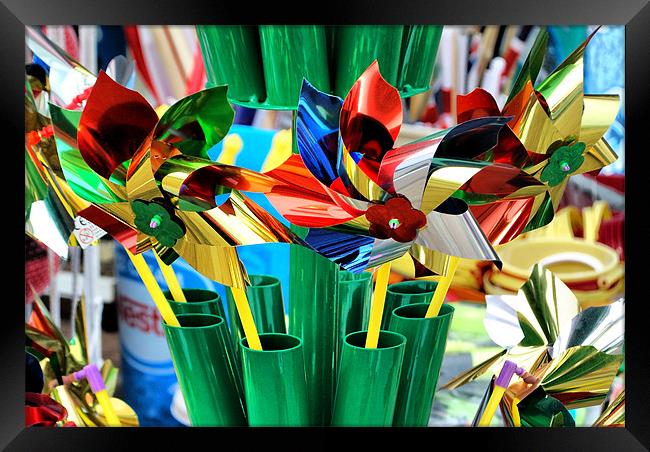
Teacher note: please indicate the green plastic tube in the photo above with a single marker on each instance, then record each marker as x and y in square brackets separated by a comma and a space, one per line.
[231, 55]
[355, 290]
[425, 347]
[265, 300]
[406, 292]
[202, 301]
[289, 54]
[313, 300]
[274, 381]
[206, 370]
[366, 391]
[419, 50]
[199, 301]
[359, 45]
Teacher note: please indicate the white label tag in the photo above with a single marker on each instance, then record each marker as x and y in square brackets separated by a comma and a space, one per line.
[86, 232]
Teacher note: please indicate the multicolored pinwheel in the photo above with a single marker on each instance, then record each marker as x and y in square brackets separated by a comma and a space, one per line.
[560, 130]
[153, 176]
[385, 201]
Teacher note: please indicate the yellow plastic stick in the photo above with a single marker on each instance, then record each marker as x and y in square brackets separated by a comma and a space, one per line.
[377, 305]
[491, 407]
[107, 406]
[154, 290]
[170, 278]
[246, 318]
[442, 288]
[515, 412]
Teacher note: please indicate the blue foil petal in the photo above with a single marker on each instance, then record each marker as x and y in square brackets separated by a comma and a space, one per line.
[317, 130]
[351, 252]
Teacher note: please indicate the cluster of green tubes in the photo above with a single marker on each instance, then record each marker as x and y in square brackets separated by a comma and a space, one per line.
[319, 373]
[276, 58]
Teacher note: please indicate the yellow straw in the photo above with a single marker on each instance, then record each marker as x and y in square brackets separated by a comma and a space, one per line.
[491, 407]
[246, 318]
[377, 305]
[154, 290]
[107, 406]
[515, 412]
[442, 288]
[170, 278]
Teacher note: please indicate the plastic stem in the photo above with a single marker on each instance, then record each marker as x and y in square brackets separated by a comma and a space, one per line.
[171, 280]
[246, 318]
[491, 407]
[442, 288]
[516, 419]
[154, 290]
[107, 406]
[377, 305]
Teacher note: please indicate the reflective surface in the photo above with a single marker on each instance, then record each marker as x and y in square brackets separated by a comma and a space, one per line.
[274, 378]
[366, 391]
[206, 370]
[426, 339]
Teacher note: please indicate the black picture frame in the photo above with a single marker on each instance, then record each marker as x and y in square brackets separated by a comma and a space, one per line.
[634, 14]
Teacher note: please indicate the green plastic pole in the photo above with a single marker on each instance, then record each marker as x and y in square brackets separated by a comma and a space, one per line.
[289, 54]
[231, 55]
[425, 347]
[359, 45]
[274, 378]
[199, 301]
[313, 299]
[206, 370]
[366, 391]
[265, 299]
[355, 290]
[406, 292]
[418, 58]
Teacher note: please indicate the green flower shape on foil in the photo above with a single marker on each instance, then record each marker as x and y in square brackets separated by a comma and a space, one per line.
[154, 220]
[564, 161]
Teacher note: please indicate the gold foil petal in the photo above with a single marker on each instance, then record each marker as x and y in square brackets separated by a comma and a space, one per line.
[598, 115]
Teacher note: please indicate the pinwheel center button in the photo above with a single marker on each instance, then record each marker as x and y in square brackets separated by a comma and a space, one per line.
[394, 223]
[155, 221]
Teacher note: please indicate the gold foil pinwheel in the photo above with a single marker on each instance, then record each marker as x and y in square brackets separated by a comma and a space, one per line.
[559, 127]
[60, 357]
[574, 353]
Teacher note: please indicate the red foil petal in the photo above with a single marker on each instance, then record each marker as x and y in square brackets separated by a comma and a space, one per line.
[303, 200]
[477, 104]
[42, 410]
[503, 221]
[371, 116]
[113, 125]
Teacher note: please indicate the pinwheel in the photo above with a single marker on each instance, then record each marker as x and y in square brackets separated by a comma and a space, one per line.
[560, 130]
[575, 354]
[118, 155]
[60, 357]
[385, 201]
